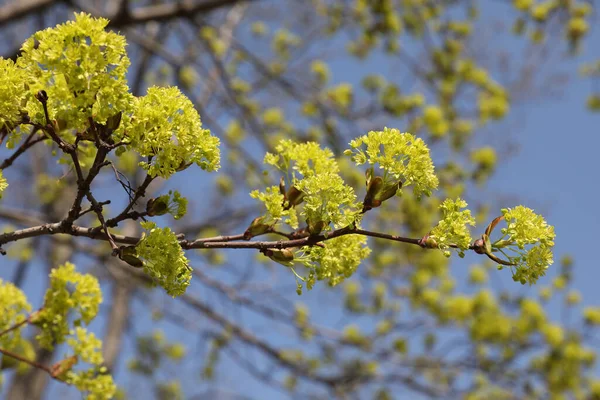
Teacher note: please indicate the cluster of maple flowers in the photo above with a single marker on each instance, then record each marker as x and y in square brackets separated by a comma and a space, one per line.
[318, 195]
[69, 82]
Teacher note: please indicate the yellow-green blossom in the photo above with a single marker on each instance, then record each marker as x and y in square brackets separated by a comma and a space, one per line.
[69, 292]
[95, 382]
[337, 260]
[341, 95]
[13, 307]
[166, 127]
[12, 93]
[530, 239]
[273, 201]
[400, 155]
[526, 227]
[82, 68]
[86, 346]
[312, 174]
[306, 158]
[452, 229]
[328, 200]
[273, 116]
[172, 203]
[320, 70]
[533, 264]
[591, 315]
[164, 259]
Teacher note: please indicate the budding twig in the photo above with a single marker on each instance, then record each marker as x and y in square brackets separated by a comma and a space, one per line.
[27, 361]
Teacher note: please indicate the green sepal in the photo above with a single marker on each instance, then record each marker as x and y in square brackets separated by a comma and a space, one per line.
[257, 227]
[369, 173]
[129, 255]
[157, 206]
[114, 121]
[487, 243]
[375, 186]
[294, 196]
[62, 367]
[314, 228]
[378, 191]
[281, 256]
[282, 186]
[388, 191]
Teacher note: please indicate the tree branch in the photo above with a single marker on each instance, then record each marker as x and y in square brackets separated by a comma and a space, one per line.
[168, 11]
[26, 361]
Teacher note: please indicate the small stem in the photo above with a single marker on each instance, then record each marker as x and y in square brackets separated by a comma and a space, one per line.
[42, 97]
[78, 171]
[97, 207]
[139, 193]
[386, 236]
[297, 276]
[23, 147]
[230, 238]
[505, 255]
[89, 209]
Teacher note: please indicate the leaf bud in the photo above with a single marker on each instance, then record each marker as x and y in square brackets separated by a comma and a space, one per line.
[294, 196]
[428, 242]
[282, 186]
[283, 256]
[388, 191]
[129, 255]
[157, 206]
[257, 227]
[114, 121]
[42, 96]
[62, 367]
[314, 228]
[375, 185]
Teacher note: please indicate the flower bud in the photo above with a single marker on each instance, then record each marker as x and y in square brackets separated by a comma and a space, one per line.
[282, 256]
[294, 196]
[129, 255]
[479, 246]
[62, 367]
[314, 228]
[114, 121]
[375, 185]
[388, 191]
[428, 242]
[282, 186]
[378, 191]
[42, 96]
[257, 227]
[157, 206]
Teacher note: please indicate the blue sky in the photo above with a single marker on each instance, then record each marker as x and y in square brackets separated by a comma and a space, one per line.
[555, 171]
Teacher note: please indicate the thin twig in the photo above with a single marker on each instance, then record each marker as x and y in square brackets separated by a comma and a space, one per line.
[139, 193]
[97, 207]
[26, 361]
[91, 208]
[28, 143]
[15, 326]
